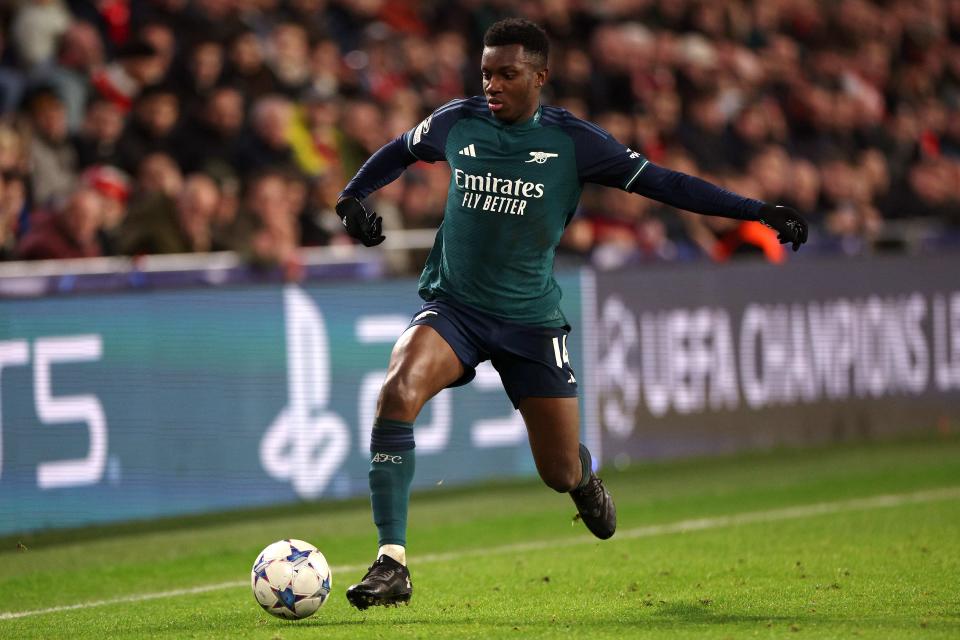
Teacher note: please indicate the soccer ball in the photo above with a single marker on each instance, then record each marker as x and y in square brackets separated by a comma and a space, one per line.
[291, 579]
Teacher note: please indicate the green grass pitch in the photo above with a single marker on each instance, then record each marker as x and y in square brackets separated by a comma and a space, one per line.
[845, 542]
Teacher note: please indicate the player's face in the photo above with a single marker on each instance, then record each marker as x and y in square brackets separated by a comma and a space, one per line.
[511, 81]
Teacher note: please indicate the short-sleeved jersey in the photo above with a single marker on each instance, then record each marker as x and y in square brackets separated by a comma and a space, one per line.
[513, 190]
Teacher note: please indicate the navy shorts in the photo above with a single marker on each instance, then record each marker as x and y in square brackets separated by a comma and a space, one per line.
[532, 361]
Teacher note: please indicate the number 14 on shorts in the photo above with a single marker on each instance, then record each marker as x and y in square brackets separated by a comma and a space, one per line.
[562, 356]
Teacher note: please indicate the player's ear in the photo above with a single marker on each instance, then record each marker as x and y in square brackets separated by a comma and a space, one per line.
[542, 77]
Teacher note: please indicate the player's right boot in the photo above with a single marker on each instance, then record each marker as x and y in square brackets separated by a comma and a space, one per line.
[596, 508]
[387, 583]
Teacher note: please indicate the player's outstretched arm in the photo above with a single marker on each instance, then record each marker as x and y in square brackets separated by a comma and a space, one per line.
[382, 168]
[694, 194]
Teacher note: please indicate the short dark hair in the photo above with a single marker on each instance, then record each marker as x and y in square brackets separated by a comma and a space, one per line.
[529, 35]
[136, 48]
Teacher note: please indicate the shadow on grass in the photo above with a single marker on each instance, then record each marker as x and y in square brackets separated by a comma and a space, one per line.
[667, 614]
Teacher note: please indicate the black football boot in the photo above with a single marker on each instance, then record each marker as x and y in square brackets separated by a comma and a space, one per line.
[387, 583]
[596, 508]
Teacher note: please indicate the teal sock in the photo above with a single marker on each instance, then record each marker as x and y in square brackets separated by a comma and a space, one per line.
[586, 463]
[392, 464]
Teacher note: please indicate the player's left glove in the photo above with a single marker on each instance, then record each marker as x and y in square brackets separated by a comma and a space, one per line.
[365, 226]
[789, 225]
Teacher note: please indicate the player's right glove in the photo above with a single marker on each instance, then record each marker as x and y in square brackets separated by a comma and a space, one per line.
[365, 226]
[789, 225]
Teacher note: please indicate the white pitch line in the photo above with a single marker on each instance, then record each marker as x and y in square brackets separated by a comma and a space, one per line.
[682, 526]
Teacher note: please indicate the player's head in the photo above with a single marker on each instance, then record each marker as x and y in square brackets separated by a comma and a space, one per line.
[514, 68]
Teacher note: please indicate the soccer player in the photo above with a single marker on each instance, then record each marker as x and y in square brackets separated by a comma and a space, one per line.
[518, 168]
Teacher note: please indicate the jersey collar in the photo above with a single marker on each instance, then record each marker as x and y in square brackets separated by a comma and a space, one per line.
[530, 123]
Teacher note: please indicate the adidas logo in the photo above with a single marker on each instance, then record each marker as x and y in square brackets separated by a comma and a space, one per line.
[468, 151]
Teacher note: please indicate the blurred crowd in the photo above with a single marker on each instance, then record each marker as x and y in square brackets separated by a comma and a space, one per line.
[131, 127]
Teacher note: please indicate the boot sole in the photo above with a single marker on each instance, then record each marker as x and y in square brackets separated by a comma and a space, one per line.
[363, 601]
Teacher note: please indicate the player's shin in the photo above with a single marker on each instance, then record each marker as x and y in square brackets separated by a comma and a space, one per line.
[392, 466]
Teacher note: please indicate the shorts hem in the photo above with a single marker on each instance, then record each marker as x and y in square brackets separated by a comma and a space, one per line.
[516, 403]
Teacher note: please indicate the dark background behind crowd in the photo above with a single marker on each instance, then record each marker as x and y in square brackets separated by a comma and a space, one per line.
[132, 127]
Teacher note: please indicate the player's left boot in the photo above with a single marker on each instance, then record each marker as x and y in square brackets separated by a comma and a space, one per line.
[596, 508]
[386, 583]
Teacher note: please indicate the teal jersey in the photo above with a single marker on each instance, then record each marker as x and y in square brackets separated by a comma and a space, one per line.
[513, 190]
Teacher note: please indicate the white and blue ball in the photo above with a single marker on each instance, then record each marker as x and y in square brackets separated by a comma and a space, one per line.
[291, 579]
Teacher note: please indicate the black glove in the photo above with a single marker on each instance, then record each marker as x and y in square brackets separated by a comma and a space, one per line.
[365, 226]
[789, 225]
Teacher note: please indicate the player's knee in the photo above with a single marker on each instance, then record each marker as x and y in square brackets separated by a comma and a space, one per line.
[401, 395]
[561, 480]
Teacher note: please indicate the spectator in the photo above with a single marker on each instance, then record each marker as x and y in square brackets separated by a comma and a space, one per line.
[754, 127]
[137, 65]
[162, 38]
[70, 232]
[247, 70]
[79, 53]
[574, 74]
[309, 14]
[225, 218]
[202, 72]
[151, 130]
[210, 141]
[839, 180]
[317, 139]
[665, 110]
[703, 134]
[267, 226]
[804, 189]
[424, 196]
[268, 143]
[611, 86]
[99, 137]
[930, 191]
[851, 221]
[452, 66]
[770, 167]
[53, 160]
[362, 133]
[113, 186]
[624, 230]
[208, 19]
[161, 224]
[319, 223]
[36, 27]
[290, 58]
[325, 64]
[158, 173]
